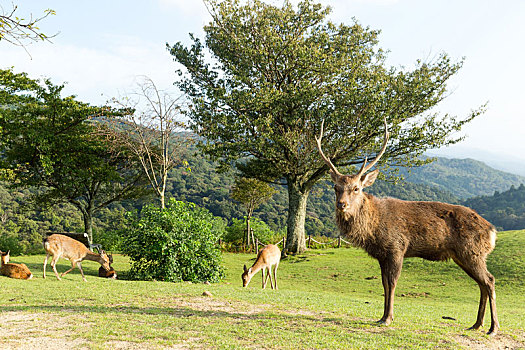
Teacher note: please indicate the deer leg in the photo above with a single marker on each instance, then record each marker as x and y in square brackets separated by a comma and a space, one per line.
[53, 265]
[271, 278]
[73, 263]
[45, 264]
[390, 271]
[81, 271]
[268, 271]
[262, 271]
[479, 273]
[275, 275]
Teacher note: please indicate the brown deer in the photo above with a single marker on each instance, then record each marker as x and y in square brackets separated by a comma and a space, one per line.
[68, 248]
[111, 273]
[266, 258]
[20, 271]
[390, 230]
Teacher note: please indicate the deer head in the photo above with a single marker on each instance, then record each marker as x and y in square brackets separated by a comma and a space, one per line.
[105, 260]
[349, 188]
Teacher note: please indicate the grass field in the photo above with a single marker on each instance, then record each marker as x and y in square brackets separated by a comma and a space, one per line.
[327, 299]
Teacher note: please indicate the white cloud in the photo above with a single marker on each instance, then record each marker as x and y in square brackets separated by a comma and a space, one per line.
[94, 75]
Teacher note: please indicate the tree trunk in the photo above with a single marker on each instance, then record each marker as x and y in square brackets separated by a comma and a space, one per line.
[295, 239]
[88, 224]
[248, 233]
[162, 201]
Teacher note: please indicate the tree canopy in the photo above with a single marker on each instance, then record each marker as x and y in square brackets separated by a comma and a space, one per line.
[49, 143]
[265, 77]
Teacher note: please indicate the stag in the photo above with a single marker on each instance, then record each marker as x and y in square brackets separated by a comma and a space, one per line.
[390, 230]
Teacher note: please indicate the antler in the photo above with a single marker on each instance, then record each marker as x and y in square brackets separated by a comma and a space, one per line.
[364, 167]
[325, 158]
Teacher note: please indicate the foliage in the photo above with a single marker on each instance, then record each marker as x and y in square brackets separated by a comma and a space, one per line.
[251, 193]
[506, 210]
[278, 72]
[464, 177]
[178, 243]
[50, 144]
[16, 30]
[236, 232]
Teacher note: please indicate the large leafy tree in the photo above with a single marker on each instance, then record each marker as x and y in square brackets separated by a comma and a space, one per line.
[48, 142]
[265, 77]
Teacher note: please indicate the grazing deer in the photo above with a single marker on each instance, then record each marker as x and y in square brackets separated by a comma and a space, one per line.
[68, 248]
[266, 258]
[390, 230]
[111, 273]
[20, 271]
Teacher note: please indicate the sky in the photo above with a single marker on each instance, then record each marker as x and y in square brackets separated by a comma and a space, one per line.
[101, 47]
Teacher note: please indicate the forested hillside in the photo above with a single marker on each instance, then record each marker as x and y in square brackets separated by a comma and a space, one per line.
[506, 210]
[464, 178]
[207, 188]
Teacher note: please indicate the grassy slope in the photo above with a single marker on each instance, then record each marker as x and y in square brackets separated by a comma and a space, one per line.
[326, 299]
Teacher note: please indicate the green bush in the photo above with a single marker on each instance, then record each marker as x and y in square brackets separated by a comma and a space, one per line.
[178, 243]
[236, 231]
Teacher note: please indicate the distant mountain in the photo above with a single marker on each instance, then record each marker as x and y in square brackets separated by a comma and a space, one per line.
[506, 210]
[464, 178]
[514, 164]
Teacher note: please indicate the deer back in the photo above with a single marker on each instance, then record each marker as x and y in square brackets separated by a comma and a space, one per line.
[65, 247]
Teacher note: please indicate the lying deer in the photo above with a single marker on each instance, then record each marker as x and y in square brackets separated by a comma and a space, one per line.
[68, 248]
[111, 273]
[266, 258]
[390, 230]
[20, 271]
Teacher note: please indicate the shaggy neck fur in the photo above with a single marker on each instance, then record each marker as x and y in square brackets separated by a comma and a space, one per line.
[358, 225]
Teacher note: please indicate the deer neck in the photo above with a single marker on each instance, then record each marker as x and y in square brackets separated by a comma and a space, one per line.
[256, 267]
[359, 226]
[93, 257]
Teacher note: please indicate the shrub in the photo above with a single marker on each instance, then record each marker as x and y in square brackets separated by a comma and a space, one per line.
[236, 231]
[178, 243]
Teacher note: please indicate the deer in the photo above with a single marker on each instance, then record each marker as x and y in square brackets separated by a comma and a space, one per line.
[390, 230]
[267, 257]
[19, 271]
[58, 246]
[111, 273]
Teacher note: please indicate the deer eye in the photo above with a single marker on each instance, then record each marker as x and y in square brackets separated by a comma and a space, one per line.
[356, 189]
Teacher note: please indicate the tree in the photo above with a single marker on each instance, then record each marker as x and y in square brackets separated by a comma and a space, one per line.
[274, 73]
[251, 193]
[149, 130]
[17, 30]
[50, 143]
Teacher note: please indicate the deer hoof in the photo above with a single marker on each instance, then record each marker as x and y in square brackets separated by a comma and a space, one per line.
[492, 332]
[382, 322]
[474, 327]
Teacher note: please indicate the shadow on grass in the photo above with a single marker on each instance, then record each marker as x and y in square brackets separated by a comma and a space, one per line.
[189, 312]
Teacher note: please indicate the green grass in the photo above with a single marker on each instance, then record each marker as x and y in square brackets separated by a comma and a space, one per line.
[326, 299]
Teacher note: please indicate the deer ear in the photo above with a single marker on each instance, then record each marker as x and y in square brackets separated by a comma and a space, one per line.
[368, 179]
[245, 269]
